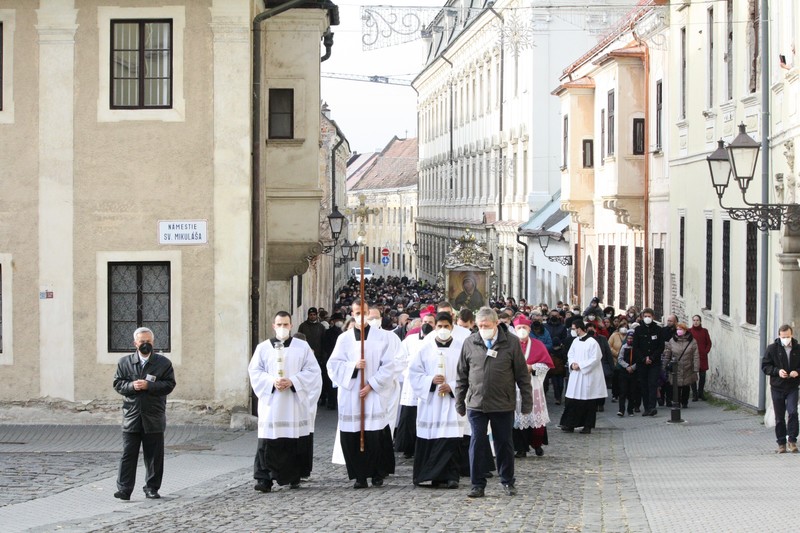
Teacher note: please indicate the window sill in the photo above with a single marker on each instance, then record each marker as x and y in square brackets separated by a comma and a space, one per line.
[285, 142]
[725, 321]
[750, 330]
[656, 152]
[710, 114]
[682, 124]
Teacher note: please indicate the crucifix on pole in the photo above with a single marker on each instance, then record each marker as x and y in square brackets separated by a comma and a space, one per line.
[362, 213]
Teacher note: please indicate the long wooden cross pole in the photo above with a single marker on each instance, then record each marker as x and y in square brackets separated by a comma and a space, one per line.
[363, 335]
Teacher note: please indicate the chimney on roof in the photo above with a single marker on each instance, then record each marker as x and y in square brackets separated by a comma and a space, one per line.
[326, 110]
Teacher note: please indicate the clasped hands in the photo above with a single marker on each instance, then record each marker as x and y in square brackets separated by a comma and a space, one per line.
[444, 388]
[283, 383]
[784, 374]
[140, 384]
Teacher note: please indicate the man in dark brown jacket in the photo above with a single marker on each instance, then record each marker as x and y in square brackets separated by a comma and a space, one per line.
[781, 362]
[490, 369]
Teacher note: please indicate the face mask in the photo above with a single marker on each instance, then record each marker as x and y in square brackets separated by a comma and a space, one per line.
[281, 333]
[590, 333]
[145, 348]
[399, 309]
[590, 318]
[374, 322]
[573, 333]
[680, 332]
[338, 324]
[486, 334]
[623, 330]
[648, 320]
[553, 320]
[787, 341]
[426, 328]
[522, 333]
[442, 334]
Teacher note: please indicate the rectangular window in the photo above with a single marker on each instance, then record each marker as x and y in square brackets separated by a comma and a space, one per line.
[753, 31]
[602, 135]
[751, 274]
[681, 256]
[299, 291]
[726, 267]
[658, 281]
[141, 64]
[565, 145]
[612, 273]
[575, 277]
[601, 272]
[638, 136]
[281, 114]
[659, 109]
[638, 276]
[682, 95]
[623, 277]
[710, 30]
[709, 261]
[588, 153]
[611, 122]
[729, 51]
[138, 296]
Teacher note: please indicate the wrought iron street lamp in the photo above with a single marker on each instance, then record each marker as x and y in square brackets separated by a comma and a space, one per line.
[544, 243]
[414, 249]
[336, 222]
[739, 158]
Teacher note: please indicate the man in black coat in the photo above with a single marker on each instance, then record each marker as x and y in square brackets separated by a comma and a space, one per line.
[781, 362]
[144, 379]
[648, 345]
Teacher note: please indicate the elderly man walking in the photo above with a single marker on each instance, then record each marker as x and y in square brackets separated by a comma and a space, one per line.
[490, 369]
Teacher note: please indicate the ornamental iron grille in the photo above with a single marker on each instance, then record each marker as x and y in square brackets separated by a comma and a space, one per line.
[638, 276]
[726, 267]
[709, 261]
[751, 274]
[601, 272]
[612, 272]
[138, 296]
[623, 277]
[658, 281]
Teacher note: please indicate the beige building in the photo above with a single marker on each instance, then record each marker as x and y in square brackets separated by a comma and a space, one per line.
[127, 197]
[614, 172]
[386, 181]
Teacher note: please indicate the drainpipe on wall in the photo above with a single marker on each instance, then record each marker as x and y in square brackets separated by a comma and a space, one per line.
[765, 159]
[327, 41]
[524, 245]
[256, 246]
[646, 62]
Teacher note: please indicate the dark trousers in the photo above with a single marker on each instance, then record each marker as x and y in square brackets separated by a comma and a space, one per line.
[785, 402]
[684, 395]
[558, 387]
[629, 390]
[648, 384]
[502, 424]
[328, 396]
[153, 447]
[699, 388]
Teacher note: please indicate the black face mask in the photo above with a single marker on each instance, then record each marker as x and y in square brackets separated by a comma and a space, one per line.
[590, 333]
[554, 320]
[145, 348]
[426, 328]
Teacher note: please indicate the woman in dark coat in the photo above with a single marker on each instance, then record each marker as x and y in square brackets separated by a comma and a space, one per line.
[681, 351]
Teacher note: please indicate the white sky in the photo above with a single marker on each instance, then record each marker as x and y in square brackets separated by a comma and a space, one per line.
[370, 114]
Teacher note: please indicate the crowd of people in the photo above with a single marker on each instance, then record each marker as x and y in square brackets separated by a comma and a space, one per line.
[410, 374]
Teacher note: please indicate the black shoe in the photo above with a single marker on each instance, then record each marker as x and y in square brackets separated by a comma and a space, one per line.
[122, 495]
[151, 494]
[646, 413]
[452, 484]
[630, 413]
[613, 399]
[567, 429]
[637, 410]
[489, 474]
[558, 402]
[360, 485]
[476, 492]
[620, 413]
[586, 431]
[520, 455]
[377, 482]
[685, 405]
[295, 485]
[539, 451]
[652, 412]
[263, 487]
[510, 490]
[695, 398]
[408, 455]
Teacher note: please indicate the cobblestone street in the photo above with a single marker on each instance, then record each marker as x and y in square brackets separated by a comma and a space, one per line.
[630, 474]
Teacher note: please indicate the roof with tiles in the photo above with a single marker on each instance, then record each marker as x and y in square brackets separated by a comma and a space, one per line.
[394, 167]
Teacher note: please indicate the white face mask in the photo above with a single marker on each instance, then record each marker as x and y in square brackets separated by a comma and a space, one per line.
[648, 320]
[338, 324]
[786, 341]
[573, 332]
[374, 322]
[282, 333]
[623, 330]
[522, 333]
[590, 318]
[443, 334]
[487, 334]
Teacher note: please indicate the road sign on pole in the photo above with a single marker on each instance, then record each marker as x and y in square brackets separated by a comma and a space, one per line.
[385, 260]
[385, 252]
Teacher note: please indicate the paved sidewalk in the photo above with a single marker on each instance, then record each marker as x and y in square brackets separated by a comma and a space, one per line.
[635, 474]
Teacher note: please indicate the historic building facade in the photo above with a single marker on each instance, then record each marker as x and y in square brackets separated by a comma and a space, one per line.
[127, 194]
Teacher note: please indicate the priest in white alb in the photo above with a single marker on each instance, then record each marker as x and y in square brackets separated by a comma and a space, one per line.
[287, 379]
[345, 366]
[586, 384]
[432, 374]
